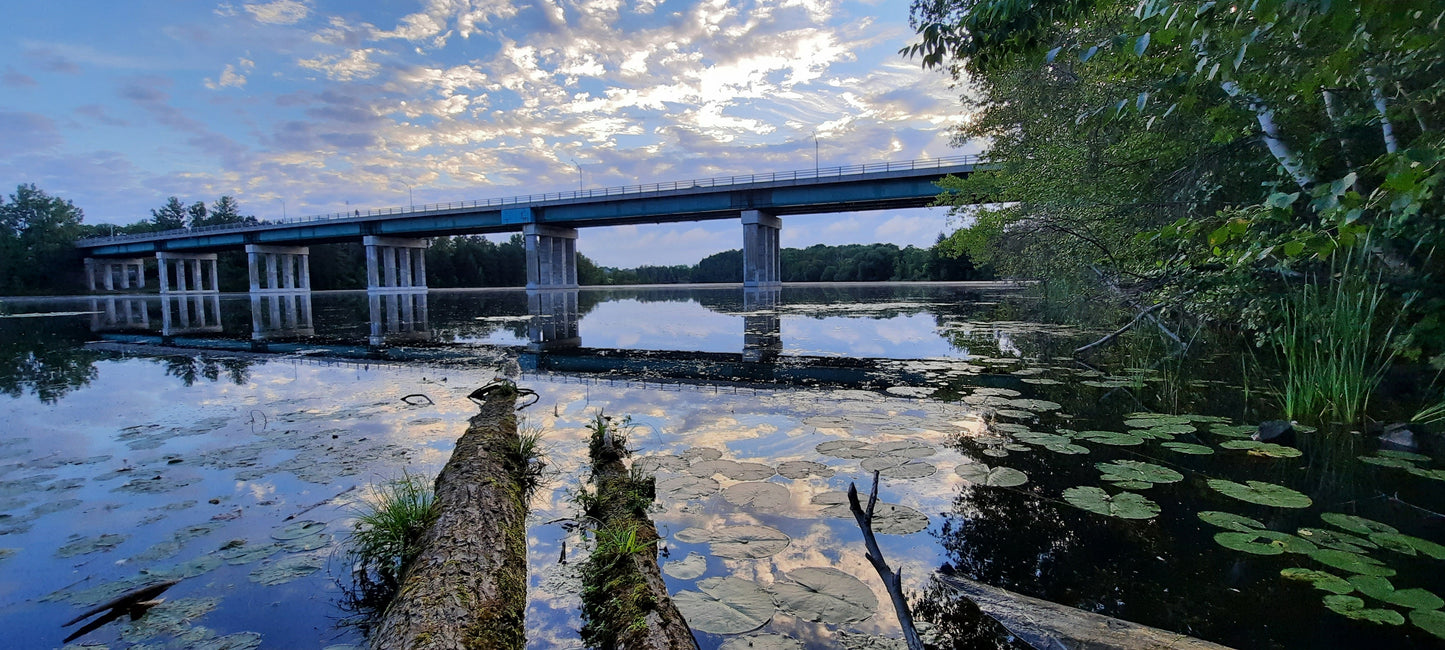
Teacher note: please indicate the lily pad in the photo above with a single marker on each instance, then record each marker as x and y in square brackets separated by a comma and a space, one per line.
[1337, 540]
[762, 642]
[1111, 438]
[1125, 505]
[1273, 543]
[1381, 589]
[1129, 485]
[981, 474]
[86, 545]
[725, 605]
[1352, 562]
[1233, 430]
[1230, 521]
[801, 469]
[1387, 462]
[299, 529]
[906, 448]
[851, 449]
[1067, 448]
[1133, 470]
[664, 462]
[688, 568]
[1405, 455]
[757, 494]
[1265, 494]
[737, 542]
[700, 454]
[1408, 545]
[909, 471]
[825, 595]
[1257, 448]
[1188, 448]
[1322, 580]
[1356, 524]
[888, 518]
[1430, 621]
[1354, 608]
[287, 569]
[684, 488]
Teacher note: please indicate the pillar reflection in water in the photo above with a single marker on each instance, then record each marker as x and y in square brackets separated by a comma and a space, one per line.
[398, 316]
[554, 319]
[119, 314]
[196, 313]
[281, 315]
[762, 326]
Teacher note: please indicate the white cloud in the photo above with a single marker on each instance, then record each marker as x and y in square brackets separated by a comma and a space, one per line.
[357, 64]
[280, 12]
[232, 76]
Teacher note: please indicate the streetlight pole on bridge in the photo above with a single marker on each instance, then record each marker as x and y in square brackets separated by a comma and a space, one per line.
[283, 208]
[411, 200]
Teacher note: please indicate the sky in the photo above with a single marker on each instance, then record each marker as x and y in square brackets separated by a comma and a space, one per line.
[302, 107]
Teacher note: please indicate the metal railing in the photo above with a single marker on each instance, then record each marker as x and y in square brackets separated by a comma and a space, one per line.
[551, 197]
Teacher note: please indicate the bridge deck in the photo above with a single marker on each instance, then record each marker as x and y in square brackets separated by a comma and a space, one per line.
[835, 189]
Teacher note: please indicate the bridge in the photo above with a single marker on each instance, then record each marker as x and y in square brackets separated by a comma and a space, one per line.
[396, 238]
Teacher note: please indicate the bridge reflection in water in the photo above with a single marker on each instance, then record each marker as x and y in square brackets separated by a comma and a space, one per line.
[398, 316]
[281, 315]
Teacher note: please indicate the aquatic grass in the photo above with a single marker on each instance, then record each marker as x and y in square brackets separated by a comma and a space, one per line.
[389, 526]
[528, 459]
[1332, 351]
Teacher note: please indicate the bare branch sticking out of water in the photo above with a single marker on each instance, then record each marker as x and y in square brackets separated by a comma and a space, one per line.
[892, 580]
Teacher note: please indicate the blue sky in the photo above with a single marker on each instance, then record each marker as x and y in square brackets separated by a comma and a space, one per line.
[314, 106]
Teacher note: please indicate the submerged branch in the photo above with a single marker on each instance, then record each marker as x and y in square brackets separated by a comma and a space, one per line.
[1115, 334]
[892, 580]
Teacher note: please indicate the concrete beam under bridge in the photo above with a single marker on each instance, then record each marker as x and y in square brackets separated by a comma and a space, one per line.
[189, 272]
[108, 269]
[287, 269]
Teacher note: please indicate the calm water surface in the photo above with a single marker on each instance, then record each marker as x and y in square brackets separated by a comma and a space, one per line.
[228, 443]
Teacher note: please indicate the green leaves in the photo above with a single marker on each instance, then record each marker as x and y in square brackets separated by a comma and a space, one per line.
[981, 474]
[1354, 608]
[1265, 494]
[1124, 505]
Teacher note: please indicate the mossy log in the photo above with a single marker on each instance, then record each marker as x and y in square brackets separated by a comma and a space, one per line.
[1043, 624]
[625, 604]
[467, 587]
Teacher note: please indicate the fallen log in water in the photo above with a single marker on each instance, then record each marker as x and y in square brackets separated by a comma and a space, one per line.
[467, 587]
[1050, 626]
[625, 603]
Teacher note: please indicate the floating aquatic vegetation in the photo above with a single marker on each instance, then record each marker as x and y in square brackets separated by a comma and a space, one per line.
[1151, 420]
[1111, 438]
[850, 449]
[1265, 494]
[1337, 540]
[686, 488]
[1382, 589]
[152, 483]
[661, 462]
[298, 529]
[1125, 505]
[737, 542]
[1383, 461]
[49, 507]
[188, 569]
[801, 469]
[825, 595]
[158, 551]
[1356, 524]
[732, 469]
[761, 495]
[1354, 608]
[1035, 405]
[762, 642]
[888, 518]
[1257, 448]
[1435, 474]
[7, 553]
[1041, 381]
[243, 553]
[87, 545]
[1016, 414]
[1352, 562]
[1230, 521]
[688, 568]
[170, 618]
[981, 474]
[908, 471]
[1432, 621]
[910, 391]
[997, 392]
[725, 605]
[1403, 455]
[236, 641]
[287, 569]
[1408, 545]
[1274, 544]
[1322, 580]
[1138, 471]
[1188, 448]
[1042, 439]
[1233, 430]
[906, 448]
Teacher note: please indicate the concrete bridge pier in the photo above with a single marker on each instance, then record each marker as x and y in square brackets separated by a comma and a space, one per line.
[195, 312]
[189, 272]
[108, 269]
[554, 320]
[551, 256]
[761, 255]
[395, 264]
[278, 269]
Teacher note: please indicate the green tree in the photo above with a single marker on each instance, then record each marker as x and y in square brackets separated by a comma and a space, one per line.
[170, 216]
[37, 235]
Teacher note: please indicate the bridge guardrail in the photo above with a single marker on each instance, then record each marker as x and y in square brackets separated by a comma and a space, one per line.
[526, 199]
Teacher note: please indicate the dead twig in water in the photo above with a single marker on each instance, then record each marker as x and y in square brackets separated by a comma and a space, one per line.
[892, 580]
[265, 422]
[408, 399]
[318, 504]
[1115, 334]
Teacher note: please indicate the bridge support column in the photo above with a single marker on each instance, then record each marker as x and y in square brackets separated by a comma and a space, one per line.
[551, 257]
[761, 265]
[554, 320]
[395, 264]
[762, 326]
[294, 263]
[109, 270]
[180, 266]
